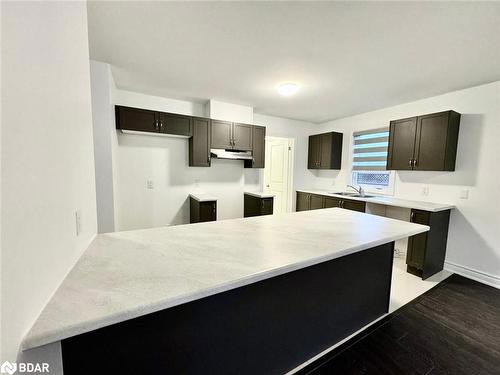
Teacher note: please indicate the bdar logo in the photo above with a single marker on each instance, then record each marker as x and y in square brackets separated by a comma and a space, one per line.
[8, 368]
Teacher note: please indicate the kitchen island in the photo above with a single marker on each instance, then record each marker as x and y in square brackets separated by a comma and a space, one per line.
[255, 295]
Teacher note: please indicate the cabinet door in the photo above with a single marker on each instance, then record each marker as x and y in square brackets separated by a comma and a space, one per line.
[259, 147]
[208, 211]
[303, 200]
[417, 244]
[136, 119]
[266, 206]
[313, 152]
[332, 202]
[316, 202]
[354, 205]
[430, 144]
[242, 137]
[325, 151]
[175, 124]
[401, 144]
[221, 134]
[199, 143]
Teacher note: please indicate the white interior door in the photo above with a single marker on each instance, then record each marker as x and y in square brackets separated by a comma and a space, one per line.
[277, 172]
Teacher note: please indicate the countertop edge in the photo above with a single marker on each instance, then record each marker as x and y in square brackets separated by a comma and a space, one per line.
[260, 195]
[385, 200]
[202, 197]
[30, 342]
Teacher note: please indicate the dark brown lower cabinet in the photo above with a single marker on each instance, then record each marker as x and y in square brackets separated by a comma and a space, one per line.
[308, 201]
[201, 211]
[256, 206]
[426, 251]
[302, 201]
[316, 202]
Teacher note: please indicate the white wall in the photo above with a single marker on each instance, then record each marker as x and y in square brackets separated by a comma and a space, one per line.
[474, 241]
[47, 157]
[102, 119]
[229, 112]
[164, 160]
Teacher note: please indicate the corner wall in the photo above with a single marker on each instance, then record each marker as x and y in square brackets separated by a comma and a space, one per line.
[474, 240]
[47, 170]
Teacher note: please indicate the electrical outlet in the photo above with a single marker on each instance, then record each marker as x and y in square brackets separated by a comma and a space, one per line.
[150, 184]
[196, 183]
[464, 194]
[425, 190]
[78, 222]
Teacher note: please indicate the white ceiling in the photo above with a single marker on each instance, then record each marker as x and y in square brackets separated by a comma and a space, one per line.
[347, 57]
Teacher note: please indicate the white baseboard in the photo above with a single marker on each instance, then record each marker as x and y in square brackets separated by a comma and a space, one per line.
[473, 274]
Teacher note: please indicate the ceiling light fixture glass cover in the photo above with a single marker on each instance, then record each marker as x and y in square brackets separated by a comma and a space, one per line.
[288, 89]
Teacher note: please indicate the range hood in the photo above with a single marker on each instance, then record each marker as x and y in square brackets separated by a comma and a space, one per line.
[220, 153]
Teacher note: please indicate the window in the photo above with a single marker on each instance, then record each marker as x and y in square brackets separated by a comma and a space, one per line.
[370, 160]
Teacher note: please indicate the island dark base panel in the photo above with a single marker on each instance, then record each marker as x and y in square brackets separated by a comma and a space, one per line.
[268, 327]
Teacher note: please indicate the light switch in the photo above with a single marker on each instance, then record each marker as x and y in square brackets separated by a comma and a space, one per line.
[464, 194]
[150, 184]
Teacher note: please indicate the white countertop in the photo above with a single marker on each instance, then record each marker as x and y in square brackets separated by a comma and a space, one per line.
[203, 197]
[260, 194]
[387, 201]
[125, 275]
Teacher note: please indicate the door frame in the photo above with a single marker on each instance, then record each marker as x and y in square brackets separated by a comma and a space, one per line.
[291, 155]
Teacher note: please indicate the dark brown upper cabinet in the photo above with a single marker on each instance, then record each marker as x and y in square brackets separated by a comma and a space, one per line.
[199, 143]
[136, 119]
[203, 133]
[325, 151]
[425, 143]
[175, 124]
[230, 135]
[221, 134]
[242, 137]
[258, 148]
[144, 120]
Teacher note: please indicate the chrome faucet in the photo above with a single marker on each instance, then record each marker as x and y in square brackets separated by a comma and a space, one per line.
[360, 190]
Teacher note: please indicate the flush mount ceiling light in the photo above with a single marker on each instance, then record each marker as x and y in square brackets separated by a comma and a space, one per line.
[288, 89]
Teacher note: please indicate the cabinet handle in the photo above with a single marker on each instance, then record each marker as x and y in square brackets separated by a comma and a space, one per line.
[412, 216]
[415, 162]
[262, 204]
[157, 126]
[161, 125]
[341, 204]
[410, 163]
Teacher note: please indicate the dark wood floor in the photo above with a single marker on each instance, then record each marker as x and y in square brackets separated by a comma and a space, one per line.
[453, 328]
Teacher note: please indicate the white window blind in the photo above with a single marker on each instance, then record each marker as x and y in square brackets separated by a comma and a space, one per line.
[370, 150]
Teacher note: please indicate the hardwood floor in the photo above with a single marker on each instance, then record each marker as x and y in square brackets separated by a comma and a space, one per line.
[453, 328]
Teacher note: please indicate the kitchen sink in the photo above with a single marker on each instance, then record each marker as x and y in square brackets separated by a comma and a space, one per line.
[355, 195]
